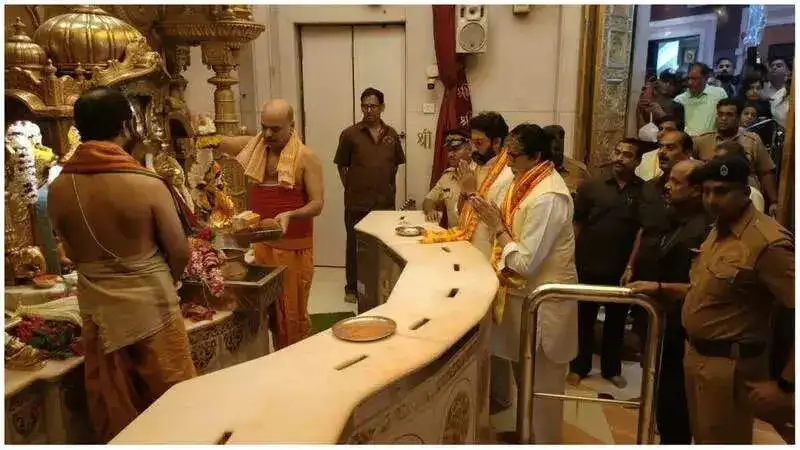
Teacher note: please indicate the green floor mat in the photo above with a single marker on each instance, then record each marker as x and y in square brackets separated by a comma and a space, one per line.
[321, 322]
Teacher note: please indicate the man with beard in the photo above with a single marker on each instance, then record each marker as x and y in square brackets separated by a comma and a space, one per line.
[606, 224]
[487, 177]
[727, 129]
[487, 174]
[744, 269]
[723, 76]
[286, 184]
[447, 190]
[129, 250]
[700, 100]
[663, 268]
[534, 244]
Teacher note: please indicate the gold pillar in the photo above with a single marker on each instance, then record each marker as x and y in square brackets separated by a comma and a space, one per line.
[604, 75]
[221, 58]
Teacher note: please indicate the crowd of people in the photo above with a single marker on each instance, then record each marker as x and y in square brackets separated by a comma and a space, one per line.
[691, 234]
[675, 219]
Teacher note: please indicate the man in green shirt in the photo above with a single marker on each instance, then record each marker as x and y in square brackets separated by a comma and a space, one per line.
[700, 101]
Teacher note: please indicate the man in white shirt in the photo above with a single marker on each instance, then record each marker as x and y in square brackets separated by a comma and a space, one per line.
[534, 244]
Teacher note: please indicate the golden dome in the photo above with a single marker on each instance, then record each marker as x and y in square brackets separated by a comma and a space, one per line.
[87, 35]
[22, 52]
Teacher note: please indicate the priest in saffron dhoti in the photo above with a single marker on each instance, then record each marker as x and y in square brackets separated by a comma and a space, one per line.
[534, 244]
[286, 178]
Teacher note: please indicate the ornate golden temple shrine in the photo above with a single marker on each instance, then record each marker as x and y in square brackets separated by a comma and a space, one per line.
[53, 54]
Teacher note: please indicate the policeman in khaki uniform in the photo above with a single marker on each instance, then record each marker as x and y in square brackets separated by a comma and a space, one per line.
[447, 189]
[745, 265]
[761, 164]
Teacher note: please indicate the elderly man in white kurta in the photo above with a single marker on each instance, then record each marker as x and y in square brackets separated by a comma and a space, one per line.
[534, 244]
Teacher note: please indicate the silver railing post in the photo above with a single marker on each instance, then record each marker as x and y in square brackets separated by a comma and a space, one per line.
[527, 354]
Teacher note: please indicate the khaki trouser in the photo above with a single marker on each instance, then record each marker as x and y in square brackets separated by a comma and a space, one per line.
[716, 390]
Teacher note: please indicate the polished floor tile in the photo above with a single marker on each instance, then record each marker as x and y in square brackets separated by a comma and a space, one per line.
[327, 292]
[592, 423]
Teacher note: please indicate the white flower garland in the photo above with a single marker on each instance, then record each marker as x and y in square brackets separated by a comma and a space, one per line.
[26, 168]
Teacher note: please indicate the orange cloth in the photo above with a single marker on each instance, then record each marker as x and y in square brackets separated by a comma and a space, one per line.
[291, 322]
[93, 157]
[469, 219]
[253, 159]
[121, 384]
[519, 189]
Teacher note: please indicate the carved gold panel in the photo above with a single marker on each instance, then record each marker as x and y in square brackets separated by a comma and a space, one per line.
[603, 80]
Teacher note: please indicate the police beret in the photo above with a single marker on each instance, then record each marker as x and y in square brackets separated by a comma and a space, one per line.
[728, 168]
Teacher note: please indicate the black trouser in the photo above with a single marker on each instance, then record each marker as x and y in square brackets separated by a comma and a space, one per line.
[613, 333]
[351, 218]
[672, 411]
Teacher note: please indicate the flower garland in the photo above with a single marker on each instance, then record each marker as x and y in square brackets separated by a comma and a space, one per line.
[26, 168]
[204, 264]
[56, 339]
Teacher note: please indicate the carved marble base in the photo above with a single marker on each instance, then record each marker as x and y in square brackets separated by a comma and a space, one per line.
[445, 402]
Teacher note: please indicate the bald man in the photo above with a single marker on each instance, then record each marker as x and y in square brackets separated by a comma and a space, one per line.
[286, 184]
[663, 273]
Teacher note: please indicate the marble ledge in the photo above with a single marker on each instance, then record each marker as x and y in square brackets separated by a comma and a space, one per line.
[273, 399]
[17, 380]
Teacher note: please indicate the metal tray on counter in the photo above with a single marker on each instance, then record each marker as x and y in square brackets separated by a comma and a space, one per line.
[364, 328]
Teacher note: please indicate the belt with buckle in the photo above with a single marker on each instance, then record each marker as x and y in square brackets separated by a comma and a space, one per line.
[727, 348]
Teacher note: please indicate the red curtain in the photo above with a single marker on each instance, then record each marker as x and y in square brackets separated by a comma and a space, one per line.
[456, 108]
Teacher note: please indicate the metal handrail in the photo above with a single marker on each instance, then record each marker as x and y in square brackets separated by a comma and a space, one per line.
[596, 294]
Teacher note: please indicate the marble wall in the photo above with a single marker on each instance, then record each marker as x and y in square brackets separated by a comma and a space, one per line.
[529, 73]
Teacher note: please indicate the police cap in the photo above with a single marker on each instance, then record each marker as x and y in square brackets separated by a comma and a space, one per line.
[728, 168]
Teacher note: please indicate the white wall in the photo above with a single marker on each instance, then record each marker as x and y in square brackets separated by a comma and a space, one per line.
[529, 72]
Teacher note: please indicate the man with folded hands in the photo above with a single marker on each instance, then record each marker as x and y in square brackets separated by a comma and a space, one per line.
[530, 220]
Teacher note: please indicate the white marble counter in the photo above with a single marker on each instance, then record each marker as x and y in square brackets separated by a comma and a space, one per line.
[297, 395]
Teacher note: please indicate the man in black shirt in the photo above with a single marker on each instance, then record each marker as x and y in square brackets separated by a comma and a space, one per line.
[606, 223]
[662, 263]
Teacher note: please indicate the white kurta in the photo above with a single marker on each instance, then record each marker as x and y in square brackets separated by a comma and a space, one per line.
[482, 238]
[543, 252]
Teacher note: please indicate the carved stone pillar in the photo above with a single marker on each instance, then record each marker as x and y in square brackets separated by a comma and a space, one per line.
[221, 58]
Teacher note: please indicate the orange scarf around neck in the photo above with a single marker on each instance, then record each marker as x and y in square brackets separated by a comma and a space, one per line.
[94, 157]
[517, 192]
[469, 218]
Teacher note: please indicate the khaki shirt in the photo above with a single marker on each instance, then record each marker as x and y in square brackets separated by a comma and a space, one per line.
[447, 190]
[760, 161]
[736, 279]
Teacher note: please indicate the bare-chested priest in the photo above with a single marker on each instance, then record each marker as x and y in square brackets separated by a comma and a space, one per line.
[287, 185]
[122, 228]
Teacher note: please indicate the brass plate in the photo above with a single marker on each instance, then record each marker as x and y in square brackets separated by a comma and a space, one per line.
[364, 328]
[409, 231]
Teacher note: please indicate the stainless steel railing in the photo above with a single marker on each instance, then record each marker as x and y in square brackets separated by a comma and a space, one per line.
[645, 432]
